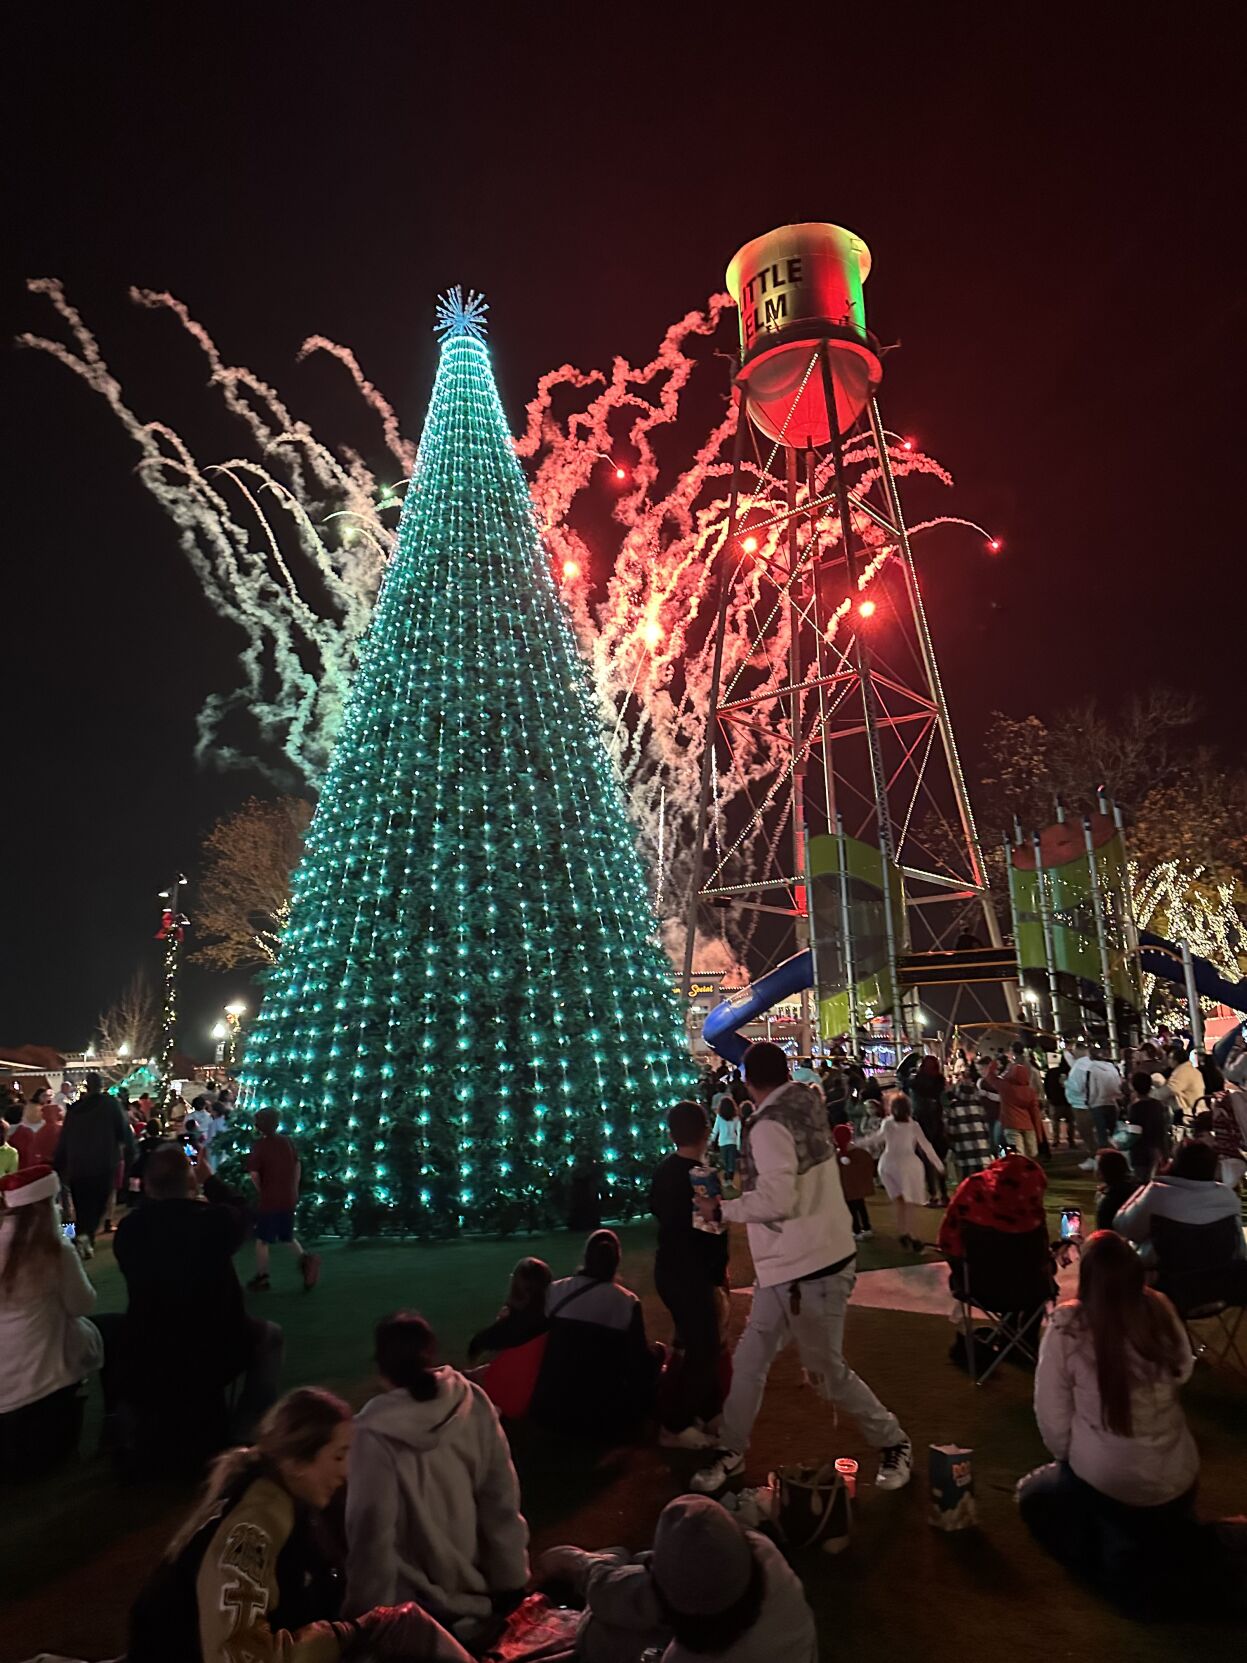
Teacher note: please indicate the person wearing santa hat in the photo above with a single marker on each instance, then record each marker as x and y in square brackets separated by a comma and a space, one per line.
[47, 1344]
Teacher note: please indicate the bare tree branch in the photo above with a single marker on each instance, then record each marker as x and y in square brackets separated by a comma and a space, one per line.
[243, 891]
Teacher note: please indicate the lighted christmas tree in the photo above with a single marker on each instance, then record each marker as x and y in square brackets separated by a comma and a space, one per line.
[469, 1003]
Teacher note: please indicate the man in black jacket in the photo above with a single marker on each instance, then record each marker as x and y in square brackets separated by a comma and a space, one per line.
[96, 1136]
[186, 1334]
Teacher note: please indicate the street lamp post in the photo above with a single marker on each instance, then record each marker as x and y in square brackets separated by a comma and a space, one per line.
[234, 1013]
[172, 930]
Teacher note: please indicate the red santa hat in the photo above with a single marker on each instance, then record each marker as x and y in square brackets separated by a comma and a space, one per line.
[25, 1188]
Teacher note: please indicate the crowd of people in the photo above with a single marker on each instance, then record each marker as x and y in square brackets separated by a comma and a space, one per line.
[428, 1557]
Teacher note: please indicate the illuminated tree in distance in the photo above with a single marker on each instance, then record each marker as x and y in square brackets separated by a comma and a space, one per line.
[469, 999]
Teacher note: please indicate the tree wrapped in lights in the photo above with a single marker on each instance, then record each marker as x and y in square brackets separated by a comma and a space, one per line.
[468, 1002]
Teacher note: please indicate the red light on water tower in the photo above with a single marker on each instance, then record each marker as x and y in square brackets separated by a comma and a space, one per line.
[865, 609]
[750, 545]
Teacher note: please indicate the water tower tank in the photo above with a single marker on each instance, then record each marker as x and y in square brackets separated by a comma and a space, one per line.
[795, 289]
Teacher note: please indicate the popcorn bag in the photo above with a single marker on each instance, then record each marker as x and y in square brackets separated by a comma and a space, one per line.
[707, 1184]
[951, 1473]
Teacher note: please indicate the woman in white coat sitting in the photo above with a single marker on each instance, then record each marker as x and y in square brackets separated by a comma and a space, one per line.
[901, 1171]
[432, 1502]
[47, 1345]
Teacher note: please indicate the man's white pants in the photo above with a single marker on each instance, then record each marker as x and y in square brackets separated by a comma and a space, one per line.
[818, 1329]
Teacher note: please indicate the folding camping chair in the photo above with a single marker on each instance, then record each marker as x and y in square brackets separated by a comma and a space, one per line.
[1200, 1269]
[1008, 1277]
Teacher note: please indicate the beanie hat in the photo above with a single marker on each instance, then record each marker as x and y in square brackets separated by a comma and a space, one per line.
[843, 1136]
[24, 1188]
[702, 1560]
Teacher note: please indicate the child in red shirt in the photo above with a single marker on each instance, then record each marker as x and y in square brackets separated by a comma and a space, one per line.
[275, 1171]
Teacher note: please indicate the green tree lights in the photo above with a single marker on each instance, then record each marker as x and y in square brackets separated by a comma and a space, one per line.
[468, 998]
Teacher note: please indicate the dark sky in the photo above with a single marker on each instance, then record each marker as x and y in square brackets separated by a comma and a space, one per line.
[1051, 205]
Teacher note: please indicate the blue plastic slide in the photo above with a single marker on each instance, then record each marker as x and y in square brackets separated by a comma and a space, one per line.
[1162, 958]
[721, 1027]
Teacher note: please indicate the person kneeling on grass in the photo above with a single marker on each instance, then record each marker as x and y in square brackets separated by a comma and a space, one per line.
[433, 1504]
[1117, 1506]
[275, 1172]
[250, 1577]
[709, 1589]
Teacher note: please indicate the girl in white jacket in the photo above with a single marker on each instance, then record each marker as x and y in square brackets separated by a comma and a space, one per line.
[47, 1345]
[433, 1503]
[901, 1171]
[1117, 1505]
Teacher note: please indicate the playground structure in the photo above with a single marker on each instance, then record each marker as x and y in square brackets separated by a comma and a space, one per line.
[870, 862]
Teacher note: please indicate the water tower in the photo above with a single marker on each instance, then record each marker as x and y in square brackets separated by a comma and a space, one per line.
[866, 815]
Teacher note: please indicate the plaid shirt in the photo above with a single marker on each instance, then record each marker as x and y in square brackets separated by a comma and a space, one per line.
[969, 1137]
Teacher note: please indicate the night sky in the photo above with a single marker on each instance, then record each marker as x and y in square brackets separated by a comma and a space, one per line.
[1051, 208]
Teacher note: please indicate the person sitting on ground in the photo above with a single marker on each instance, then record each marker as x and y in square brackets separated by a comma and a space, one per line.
[1117, 1505]
[1006, 1195]
[1149, 1127]
[599, 1374]
[966, 1124]
[709, 1589]
[690, 1275]
[275, 1171]
[186, 1330]
[433, 1503]
[906, 1157]
[522, 1317]
[251, 1574]
[47, 1344]
[857, 1179]
[1188, 1193]
[1117, 1185]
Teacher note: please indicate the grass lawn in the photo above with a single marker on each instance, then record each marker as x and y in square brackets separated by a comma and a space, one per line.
[75, 1547]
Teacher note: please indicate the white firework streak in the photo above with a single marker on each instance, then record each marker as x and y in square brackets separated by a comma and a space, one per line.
[298, 571]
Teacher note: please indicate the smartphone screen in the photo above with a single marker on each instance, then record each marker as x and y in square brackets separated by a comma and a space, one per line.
[1071, 1223]
[69, 1231]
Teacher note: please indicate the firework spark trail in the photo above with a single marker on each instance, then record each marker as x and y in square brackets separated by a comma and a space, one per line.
[638, 605]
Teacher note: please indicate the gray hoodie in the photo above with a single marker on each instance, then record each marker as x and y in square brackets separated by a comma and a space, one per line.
[433, 1503]
[1185, 1200]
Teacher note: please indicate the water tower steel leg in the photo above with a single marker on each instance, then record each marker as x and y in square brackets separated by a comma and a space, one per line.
[870, 720]
[1101, 935]
[935, 686]
[846, 932]
[725, 556]
[799, 864]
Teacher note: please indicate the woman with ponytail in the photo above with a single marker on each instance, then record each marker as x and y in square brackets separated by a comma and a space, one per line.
[433, 1503]
[1117, 1505]
[250, 1578]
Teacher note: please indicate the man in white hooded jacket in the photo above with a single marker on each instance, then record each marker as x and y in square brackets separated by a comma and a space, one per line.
[801, 1239]
[433, 1501]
